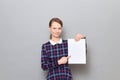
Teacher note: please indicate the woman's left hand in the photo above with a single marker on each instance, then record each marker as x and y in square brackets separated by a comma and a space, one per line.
[78, 37]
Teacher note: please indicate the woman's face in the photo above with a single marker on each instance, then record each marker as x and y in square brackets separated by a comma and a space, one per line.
[55, 29]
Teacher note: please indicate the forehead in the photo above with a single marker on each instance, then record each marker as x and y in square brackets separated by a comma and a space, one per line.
[56, 24]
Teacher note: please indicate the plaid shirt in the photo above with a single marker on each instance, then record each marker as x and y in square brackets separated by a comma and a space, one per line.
[50, 54]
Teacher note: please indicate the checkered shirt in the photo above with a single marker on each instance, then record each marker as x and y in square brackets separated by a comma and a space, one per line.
[50, 54]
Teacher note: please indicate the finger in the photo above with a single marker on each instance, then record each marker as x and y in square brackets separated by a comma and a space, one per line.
[68, 57]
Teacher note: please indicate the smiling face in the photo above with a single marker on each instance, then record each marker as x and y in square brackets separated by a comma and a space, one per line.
[55, 29]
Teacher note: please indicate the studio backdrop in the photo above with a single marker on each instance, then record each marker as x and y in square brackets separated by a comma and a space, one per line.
[24, 28]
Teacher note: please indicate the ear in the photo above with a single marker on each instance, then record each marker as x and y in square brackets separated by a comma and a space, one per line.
[49, 29]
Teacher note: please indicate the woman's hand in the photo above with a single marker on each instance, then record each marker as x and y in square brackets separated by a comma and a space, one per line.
[63, 60]
[78, 37]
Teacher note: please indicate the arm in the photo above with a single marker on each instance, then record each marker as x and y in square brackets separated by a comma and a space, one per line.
[44, 59]
[45, 64]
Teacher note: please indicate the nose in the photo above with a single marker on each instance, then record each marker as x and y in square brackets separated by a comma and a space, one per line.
[57, 30]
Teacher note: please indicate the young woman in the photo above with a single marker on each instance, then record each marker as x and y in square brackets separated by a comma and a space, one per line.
[54, 53]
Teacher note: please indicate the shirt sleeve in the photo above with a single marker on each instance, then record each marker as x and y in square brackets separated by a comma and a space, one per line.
[45, 64]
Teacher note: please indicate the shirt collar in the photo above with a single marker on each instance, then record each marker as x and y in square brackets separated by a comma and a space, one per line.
[53, 43]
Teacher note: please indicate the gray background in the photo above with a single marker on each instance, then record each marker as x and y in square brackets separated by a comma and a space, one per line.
[24, 27]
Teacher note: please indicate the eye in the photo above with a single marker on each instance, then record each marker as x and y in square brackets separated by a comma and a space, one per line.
[60, 28]
[54, 28]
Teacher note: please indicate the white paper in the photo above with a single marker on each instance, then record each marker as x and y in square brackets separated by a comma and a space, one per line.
[77, 51]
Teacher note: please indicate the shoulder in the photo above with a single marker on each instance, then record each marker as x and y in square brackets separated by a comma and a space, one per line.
[65, 41]
[45, 44]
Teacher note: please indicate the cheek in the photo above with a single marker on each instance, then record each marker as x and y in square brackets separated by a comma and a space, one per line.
[60, 31]
[52, 30]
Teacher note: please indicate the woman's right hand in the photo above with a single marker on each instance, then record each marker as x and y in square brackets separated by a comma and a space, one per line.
[63, 60]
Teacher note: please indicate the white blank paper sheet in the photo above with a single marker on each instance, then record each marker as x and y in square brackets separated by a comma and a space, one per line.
[77, 51]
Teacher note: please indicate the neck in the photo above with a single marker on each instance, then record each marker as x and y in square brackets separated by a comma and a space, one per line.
[55, 39]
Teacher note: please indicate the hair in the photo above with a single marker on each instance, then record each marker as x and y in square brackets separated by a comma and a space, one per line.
[55, 20]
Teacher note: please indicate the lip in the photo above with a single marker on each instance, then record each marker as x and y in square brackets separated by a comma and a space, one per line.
[57, 33]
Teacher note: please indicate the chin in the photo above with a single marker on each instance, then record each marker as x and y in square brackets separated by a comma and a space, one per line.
[57, 36]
